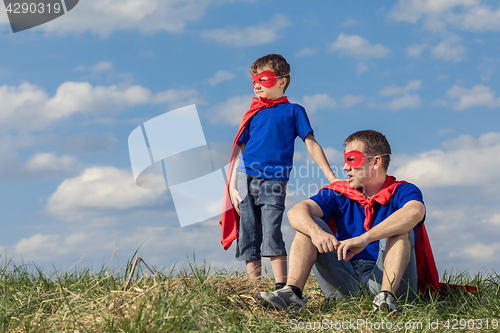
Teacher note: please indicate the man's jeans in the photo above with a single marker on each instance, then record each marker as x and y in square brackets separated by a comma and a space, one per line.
[339, 278]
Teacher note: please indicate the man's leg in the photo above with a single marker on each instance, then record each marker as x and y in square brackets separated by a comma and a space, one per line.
[396, 258]
[302, 257]
[395, 273]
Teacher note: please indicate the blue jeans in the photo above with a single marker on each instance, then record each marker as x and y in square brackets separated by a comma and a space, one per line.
[338, 278]
[261, 214]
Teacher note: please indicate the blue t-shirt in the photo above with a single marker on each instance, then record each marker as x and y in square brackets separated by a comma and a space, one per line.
[270, 137]
[350, 215]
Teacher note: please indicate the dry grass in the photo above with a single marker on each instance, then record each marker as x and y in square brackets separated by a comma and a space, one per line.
[198, 300]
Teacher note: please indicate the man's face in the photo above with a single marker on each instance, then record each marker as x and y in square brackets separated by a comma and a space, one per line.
[358, 177]
[273, 92]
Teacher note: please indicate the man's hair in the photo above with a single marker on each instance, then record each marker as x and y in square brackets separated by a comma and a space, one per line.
[375, 144]
[276, 62]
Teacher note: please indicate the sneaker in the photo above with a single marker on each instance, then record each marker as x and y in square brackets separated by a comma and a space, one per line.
[385, 301]
[283, 299]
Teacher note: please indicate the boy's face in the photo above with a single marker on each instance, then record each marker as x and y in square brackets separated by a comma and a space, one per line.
[274, 92]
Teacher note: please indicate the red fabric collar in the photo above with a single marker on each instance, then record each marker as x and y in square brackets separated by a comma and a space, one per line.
[382, 197]
[230, 219]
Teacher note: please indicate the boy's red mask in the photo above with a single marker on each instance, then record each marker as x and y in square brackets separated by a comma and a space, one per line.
[269, 82]
[355, 158]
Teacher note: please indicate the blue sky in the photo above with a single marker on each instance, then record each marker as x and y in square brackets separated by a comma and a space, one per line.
[425, 73]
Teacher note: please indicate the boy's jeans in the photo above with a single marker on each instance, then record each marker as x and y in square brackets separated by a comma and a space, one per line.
[338, 278]
[261, 214]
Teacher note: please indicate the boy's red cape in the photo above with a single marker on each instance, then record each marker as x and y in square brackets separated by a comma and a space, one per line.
[427, 273]
[230, 219]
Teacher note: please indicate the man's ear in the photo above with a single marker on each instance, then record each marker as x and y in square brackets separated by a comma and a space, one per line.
[377, 162]
[283, 82]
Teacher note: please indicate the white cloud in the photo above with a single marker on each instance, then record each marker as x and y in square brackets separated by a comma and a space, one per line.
[361, 68]
[357, 46]
[49, 164]
[351, 100]
[102, 194]
[436, 15]
[231, 111]
[457, 166]
[160, 246]
[306, 51]
[87, 143]
[393, 90]
[221, 76]
[494, 220]
[405, 101]
[334, 156]
[260, 34]
[478, 95]
[449, 50]
[41, 165]
[318, 102]
[483, 252]
[147, 16]
[415, 50]
[100, 67]
[413, 10]
[27, 107]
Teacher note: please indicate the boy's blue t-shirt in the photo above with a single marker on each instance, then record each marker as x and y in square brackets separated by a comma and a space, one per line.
[349, 214]
[270, 137]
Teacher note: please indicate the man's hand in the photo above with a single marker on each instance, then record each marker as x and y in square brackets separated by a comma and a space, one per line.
[235, 198]
[325, 242]
[350, 247]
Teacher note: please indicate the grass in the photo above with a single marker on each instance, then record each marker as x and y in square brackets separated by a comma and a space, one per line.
[199, 299]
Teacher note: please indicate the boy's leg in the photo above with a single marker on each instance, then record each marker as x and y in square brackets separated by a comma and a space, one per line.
[271, 200]
[278, 263]
[254, 268]
[250, 227]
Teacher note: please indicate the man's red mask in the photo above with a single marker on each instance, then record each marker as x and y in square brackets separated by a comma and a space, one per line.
[269, 81]
[355, 158]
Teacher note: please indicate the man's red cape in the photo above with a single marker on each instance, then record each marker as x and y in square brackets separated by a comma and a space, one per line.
[230, 219]
[427, 273]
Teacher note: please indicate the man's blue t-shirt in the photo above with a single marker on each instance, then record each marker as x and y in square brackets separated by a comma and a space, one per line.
[270, 137]
[350, 215]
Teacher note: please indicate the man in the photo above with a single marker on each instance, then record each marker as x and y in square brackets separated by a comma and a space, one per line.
[372, 248]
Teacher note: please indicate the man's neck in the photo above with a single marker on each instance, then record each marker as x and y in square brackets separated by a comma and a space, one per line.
[375, 187]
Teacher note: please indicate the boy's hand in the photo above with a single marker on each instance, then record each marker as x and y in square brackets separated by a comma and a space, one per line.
[335, 179]
[235, 199]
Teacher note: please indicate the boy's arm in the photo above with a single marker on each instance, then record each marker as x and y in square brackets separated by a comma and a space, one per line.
[319, 156]
[233, 190]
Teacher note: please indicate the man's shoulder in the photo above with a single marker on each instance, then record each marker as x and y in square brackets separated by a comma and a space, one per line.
[404, 185]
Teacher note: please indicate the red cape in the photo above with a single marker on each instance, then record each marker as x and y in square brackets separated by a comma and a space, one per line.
[427, 273]
[230, 219]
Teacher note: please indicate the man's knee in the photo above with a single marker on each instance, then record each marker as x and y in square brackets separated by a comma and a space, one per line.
[401, 240]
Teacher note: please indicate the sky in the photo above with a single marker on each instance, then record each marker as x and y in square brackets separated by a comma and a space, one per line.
[423, 72]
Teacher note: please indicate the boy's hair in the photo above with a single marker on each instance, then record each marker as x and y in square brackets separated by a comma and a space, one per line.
[375, 144]
[277, 63]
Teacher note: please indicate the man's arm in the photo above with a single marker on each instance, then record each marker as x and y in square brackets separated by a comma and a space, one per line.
[300, 217]
[233, 190]
[319, 157]
[399, 222]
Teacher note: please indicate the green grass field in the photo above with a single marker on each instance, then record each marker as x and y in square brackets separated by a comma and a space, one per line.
[201, 300]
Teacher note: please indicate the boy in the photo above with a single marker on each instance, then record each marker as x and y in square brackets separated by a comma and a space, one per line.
[258, 187]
